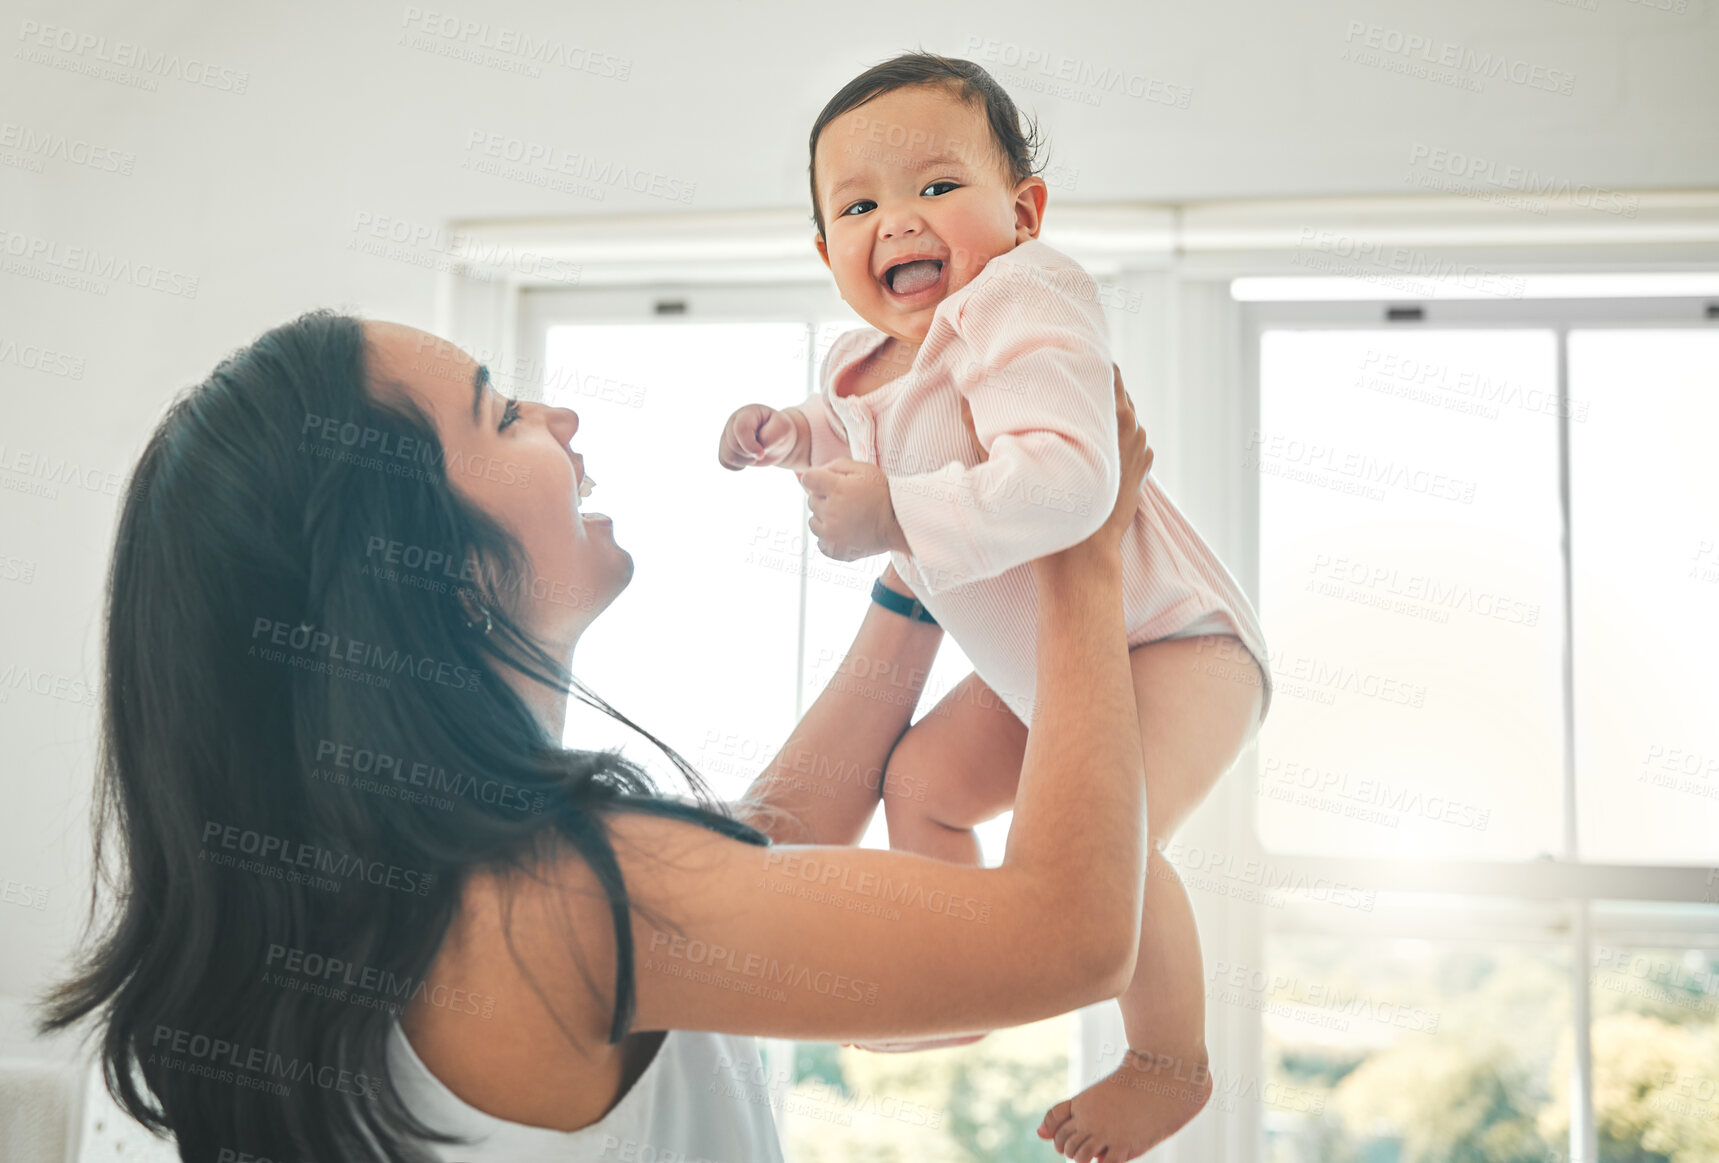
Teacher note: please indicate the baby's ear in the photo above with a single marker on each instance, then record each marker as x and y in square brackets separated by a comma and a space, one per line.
[1030, 197]
[823, 250]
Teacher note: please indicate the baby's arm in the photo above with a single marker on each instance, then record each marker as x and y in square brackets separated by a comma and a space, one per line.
[800, 437]
[824, 438]
[759, 436]
[1041, 395]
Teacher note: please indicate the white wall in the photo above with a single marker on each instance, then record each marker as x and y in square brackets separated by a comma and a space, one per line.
[256, 195]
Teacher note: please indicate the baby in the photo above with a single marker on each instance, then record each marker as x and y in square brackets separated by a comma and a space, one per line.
[969, 430]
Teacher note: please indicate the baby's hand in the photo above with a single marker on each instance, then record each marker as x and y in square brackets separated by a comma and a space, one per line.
[852, 515]
[758, 436]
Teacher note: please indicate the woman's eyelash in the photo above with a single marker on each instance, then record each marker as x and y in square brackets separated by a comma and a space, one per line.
[509, 414]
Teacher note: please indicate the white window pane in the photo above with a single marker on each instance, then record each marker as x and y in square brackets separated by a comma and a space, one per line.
[1645, 541]
[1410, 593]
[700, 649]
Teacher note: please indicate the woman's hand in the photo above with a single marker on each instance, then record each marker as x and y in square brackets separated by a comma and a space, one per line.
[1136, 460]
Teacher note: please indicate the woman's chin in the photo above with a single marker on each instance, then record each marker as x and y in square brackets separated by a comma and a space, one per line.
[600, 530]
[617, 574]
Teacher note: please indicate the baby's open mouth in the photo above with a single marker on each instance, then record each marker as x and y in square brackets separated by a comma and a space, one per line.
[909, 277]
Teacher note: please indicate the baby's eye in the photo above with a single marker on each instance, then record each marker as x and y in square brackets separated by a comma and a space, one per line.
[934, 185]
[862, 205]
[509, 414]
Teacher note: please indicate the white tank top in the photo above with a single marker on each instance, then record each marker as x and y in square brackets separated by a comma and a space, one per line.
[699, 1101]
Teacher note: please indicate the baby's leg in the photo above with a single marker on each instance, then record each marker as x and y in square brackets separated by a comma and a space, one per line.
[1194, 720]
[955, 768]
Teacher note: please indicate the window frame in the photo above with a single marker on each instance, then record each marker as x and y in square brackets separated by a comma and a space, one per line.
[1556, 898]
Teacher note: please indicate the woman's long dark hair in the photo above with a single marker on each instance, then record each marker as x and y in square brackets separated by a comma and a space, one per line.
[306, 752]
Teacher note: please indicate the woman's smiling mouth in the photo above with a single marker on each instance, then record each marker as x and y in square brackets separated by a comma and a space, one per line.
[581, 480]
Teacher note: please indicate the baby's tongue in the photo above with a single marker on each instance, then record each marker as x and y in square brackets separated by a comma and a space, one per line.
[915, 276]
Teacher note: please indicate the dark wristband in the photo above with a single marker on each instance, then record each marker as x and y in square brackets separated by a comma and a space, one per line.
[900, 603]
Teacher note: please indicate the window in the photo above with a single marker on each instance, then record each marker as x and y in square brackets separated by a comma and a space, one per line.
[1645, 542]
[1409, 531]
[1488, 579]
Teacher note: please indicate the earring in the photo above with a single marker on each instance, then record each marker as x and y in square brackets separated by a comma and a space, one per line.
[488, 622]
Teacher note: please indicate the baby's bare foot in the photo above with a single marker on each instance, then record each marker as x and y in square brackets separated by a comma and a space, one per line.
[1140, 1104]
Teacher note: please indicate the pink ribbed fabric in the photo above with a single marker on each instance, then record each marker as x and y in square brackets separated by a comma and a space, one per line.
[1026, 343]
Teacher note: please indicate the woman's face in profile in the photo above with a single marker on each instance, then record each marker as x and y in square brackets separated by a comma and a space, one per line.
[516, 464]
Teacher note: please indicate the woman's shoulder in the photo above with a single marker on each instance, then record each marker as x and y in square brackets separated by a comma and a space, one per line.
[542, 939]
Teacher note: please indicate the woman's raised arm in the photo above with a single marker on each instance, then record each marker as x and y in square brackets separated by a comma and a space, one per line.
[841, 943]
[823, 786]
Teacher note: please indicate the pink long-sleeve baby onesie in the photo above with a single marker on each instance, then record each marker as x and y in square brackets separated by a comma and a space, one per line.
[1026, 343]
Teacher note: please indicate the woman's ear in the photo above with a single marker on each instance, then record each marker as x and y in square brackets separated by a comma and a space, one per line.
[476, 586]
[470, 602]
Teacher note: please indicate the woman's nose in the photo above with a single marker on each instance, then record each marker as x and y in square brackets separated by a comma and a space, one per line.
[564, 422]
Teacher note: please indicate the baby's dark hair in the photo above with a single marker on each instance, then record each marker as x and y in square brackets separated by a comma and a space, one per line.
[971, 83]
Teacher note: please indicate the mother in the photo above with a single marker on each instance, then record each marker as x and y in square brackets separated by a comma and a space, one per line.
[364, 895]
